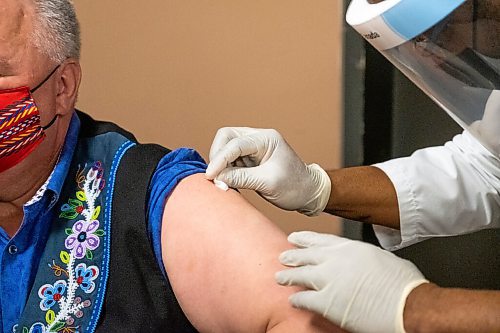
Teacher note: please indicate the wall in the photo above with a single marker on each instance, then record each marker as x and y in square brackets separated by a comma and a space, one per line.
[173, 71]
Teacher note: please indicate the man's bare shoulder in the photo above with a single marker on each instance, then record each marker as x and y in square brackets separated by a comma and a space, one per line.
[221, 255]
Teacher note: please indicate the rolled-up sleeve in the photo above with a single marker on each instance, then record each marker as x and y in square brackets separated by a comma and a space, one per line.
[443, 191]
[171, 169]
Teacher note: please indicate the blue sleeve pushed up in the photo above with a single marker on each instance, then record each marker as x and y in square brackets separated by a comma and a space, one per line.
[172, 168]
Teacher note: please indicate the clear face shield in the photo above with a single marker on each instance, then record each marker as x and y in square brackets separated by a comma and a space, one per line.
[449, 48]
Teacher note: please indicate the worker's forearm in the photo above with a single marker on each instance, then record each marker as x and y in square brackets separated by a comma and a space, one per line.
[363, 194]
[430, 308]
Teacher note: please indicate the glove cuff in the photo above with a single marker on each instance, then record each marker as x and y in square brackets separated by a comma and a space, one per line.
[399, 322]
[323, 187]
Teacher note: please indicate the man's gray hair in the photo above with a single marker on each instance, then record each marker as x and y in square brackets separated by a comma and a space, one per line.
[56, 29]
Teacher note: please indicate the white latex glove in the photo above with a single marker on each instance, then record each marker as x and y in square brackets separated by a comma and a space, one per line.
[261, 160]
[356, 285]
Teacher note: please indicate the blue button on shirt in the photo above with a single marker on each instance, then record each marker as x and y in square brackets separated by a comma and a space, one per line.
[19, 255]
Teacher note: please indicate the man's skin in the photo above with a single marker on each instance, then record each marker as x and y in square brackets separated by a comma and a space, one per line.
[221, 255]
[222, 270]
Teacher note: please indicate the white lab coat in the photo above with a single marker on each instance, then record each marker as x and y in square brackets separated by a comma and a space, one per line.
[443, 191]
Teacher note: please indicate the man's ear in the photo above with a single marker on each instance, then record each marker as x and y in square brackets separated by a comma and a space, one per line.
[68, 83]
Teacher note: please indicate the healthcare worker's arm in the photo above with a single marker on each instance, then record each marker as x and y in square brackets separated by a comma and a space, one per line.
[262, 160]
[441, 191]
[433, 309]
[363, 194]
[221, 255]
[363, 288]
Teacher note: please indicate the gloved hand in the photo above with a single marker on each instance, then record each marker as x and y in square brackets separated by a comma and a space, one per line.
[261, 160]
[356, 285]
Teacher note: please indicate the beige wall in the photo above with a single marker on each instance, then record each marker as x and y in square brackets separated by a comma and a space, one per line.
[173, 71]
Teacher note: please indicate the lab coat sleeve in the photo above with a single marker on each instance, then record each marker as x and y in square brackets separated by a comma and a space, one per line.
[443, 191]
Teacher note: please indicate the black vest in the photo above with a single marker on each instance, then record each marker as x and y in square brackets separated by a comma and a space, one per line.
[105, 278]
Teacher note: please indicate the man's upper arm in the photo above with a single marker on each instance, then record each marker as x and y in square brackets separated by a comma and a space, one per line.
[221, 255]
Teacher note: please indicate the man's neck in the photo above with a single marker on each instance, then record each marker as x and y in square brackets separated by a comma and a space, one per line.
[11, 217]
[14, 194]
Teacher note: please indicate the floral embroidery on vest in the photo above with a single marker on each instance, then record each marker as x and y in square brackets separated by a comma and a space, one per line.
[75, 279]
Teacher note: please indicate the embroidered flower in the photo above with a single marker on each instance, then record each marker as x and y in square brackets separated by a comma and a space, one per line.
[72, 209]
[85, 277]
[83, 238]
[51, 294]
[37, 328]
[96, 173]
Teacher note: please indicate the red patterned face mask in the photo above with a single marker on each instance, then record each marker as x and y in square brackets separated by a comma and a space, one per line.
[20, 129]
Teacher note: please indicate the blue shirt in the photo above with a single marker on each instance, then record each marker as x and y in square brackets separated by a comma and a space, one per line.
[19, 255]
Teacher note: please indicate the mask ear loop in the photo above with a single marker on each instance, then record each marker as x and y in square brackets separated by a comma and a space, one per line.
[45, 80]
[50, 123]
[41, 84]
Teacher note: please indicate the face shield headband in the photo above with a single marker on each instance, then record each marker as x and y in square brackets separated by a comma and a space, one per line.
[448, 48]
[20, 128]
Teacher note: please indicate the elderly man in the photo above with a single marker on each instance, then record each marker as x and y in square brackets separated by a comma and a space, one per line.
[101, 234]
